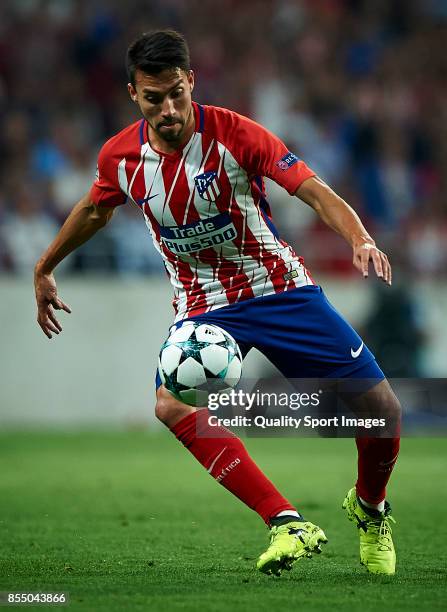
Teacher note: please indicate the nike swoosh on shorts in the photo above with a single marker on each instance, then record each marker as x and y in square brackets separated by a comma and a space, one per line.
[355, 354]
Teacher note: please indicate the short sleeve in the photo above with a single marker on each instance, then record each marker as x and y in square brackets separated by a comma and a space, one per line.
[106, 190]
[264, 154]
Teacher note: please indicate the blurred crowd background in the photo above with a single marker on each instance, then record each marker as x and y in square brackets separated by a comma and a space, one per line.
[357, 88]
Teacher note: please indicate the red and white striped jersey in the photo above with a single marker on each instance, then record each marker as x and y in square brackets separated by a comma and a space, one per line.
[205, 207]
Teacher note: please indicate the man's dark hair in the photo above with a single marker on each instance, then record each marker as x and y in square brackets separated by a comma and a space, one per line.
[156, 51]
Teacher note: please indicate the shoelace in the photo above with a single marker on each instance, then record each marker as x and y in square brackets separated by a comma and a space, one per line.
[381, 527]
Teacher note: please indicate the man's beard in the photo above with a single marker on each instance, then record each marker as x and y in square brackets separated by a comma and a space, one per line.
[171, 135]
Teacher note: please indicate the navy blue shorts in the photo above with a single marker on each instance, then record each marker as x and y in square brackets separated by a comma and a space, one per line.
[300, 332]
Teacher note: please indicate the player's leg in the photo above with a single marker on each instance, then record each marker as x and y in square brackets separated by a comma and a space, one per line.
[289, 539]
[365, 503]
[376, 455]
[223, 455]
[225, 458]
[305, 337]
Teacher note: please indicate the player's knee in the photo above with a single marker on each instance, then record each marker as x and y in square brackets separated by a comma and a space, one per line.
[386, 405]
[396, 417]
[169, 410]
[392, 404]
[164, 407]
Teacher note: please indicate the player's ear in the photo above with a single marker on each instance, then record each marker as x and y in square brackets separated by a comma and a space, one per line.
[132, 92]
[191, 79]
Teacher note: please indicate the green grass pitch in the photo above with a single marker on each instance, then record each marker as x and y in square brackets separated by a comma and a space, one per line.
[129, 521]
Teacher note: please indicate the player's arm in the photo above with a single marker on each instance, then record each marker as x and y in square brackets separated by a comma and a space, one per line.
[262, 153]
[338, 215]
[82, 223]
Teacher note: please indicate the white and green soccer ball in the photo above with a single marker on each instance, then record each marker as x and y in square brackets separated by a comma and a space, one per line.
[198, 359]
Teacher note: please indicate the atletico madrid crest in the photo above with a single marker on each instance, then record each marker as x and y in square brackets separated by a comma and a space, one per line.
[207, 186]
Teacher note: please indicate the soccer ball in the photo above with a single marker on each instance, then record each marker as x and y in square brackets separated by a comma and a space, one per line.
[198, 359]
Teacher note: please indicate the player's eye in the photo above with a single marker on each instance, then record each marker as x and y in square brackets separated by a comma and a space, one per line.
[177, 92]
[153, 97]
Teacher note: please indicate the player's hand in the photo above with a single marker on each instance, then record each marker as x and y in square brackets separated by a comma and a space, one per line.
[363, 253]
[48, 301]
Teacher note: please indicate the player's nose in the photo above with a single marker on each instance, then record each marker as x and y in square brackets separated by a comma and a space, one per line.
[167, 109]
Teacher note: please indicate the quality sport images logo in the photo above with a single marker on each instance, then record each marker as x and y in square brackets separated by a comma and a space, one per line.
[203, 234]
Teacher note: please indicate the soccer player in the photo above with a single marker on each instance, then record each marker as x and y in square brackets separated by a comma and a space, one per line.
[196, 172]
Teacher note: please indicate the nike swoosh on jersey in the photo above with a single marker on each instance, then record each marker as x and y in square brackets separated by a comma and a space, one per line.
[144, 200]
[356, 353]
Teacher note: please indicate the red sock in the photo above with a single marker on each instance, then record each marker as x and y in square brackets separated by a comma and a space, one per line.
[225, 458]
[376, 459]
